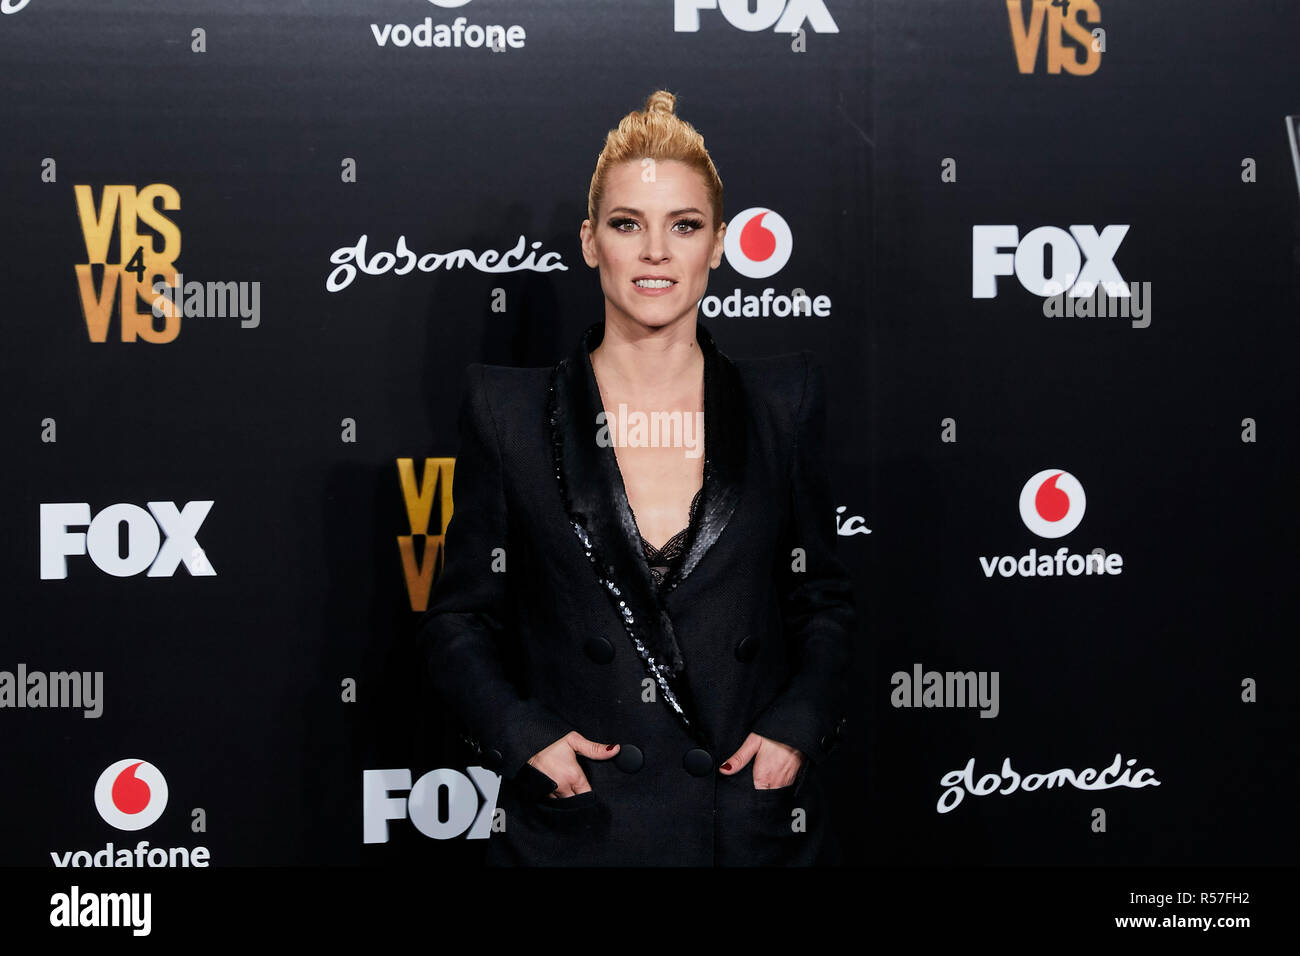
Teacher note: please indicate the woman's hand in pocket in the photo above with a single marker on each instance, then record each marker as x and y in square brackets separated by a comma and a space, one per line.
[559, 761]
[775, 764]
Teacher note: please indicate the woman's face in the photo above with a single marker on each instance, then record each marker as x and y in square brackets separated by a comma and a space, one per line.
[655, 223]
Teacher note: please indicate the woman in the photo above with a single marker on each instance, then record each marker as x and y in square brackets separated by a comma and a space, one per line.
[647, 643]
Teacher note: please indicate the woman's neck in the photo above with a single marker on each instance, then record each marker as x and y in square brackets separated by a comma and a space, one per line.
[648, 362]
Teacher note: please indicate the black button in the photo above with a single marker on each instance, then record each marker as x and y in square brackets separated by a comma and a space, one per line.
[493, 757]
[629, 759]
[697, 762]
[599, 650]
[828, 742]
[746, 649]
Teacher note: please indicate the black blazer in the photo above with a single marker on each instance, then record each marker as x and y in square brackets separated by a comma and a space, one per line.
[545, 618]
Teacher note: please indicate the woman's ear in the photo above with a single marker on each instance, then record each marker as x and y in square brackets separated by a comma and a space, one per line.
[718, 245]
[587, 239]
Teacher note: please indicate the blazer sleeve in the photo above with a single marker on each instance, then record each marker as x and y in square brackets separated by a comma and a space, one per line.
[468, 619]
[818, 607]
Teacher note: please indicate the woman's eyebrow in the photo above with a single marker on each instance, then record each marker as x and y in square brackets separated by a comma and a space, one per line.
[675, 212]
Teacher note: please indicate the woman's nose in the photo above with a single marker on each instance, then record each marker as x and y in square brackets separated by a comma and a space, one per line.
[655, 248]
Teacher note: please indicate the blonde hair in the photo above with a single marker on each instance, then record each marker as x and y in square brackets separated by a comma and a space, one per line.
[659, 134]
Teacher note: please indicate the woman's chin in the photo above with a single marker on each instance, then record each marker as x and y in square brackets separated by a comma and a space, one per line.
[655, 318]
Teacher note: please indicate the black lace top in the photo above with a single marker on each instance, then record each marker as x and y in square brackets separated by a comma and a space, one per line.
[663, 560]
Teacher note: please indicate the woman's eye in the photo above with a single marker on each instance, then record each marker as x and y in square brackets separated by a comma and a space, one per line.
[630, 225]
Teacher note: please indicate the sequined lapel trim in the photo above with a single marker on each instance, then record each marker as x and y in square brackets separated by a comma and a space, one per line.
[661, 665]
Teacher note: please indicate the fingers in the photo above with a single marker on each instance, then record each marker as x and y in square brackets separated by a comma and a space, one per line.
[737, 761]
[568, 776]
[774, 775]
[776, 766]
[571, 786]
[589, 748]
[564, 769]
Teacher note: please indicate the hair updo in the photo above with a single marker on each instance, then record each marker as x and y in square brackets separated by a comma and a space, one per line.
[658, 133]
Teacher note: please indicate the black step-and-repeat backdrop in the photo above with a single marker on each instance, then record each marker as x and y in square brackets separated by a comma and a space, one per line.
[1048, 254]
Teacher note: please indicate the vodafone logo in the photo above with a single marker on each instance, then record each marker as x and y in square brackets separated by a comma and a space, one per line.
[459, 33]
[1052, 503]
[131, 794]
[758, 242]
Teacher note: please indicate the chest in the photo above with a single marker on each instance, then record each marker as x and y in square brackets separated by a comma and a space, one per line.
[660, 455]
[660, 483]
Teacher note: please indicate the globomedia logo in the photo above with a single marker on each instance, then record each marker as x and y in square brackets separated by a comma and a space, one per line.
[131, 795]
[758, 244]
[1052, 503]
[349, 260]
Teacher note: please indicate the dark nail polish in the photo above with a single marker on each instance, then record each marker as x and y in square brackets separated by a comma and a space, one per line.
[727, 765]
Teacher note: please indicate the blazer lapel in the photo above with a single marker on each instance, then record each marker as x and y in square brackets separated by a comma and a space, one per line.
[726, 422]
[595, 500]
